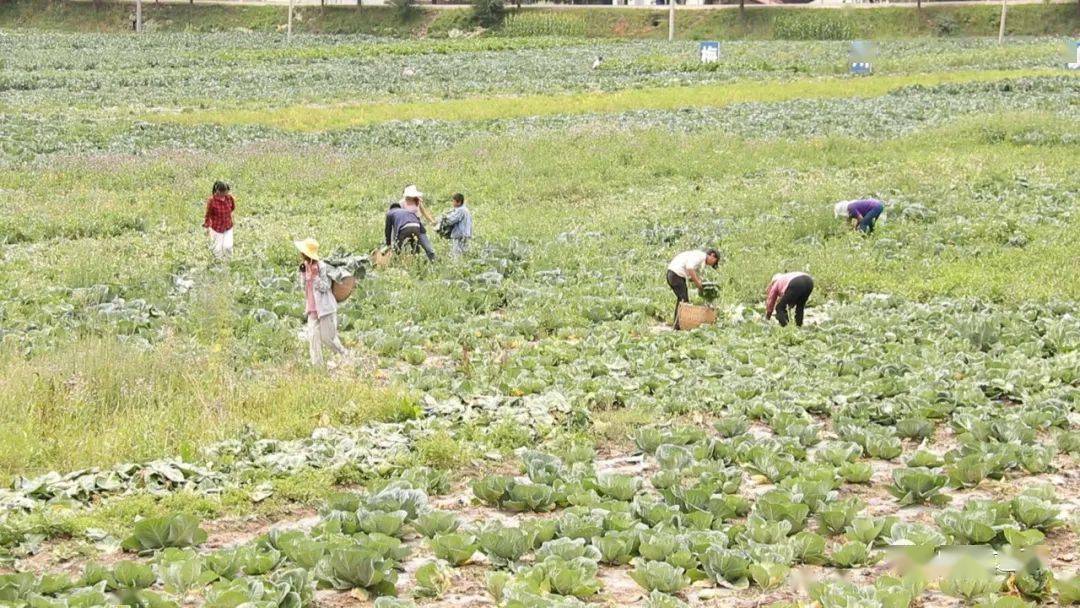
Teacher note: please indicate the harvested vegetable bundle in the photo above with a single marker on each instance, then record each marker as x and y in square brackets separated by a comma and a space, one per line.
[709, 291]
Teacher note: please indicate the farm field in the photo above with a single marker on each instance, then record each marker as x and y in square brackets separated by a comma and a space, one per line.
[521, 427]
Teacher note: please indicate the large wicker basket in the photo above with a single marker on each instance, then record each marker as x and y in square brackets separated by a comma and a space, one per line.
[691, 316]
[343, 289]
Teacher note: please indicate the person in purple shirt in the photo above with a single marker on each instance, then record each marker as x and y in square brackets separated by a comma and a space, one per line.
[861, 213]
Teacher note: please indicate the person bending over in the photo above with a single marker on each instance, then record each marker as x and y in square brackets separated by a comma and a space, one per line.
[404, 227]
[788, 290]
[688, 265]
[861, 214]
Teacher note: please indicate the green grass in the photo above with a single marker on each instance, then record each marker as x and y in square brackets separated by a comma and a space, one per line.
[308, 118]
[98, 401]
[755, 22]
[80, 388]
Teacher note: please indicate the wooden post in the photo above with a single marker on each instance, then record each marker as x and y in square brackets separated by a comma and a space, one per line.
[288, 30]
[138, 16]
[671, 21]
[1001, 30]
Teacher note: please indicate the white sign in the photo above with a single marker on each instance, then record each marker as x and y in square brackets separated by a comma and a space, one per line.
[1075, 65]
[710, 52]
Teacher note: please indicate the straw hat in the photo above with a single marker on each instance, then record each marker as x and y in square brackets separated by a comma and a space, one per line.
[411, 191]
[840, 209]
[308, 247]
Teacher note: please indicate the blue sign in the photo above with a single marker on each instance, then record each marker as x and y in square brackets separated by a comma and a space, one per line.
[861, 68]
[862, 55]
[710, 52]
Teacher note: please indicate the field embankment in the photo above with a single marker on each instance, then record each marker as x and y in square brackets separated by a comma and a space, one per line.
[761, 23]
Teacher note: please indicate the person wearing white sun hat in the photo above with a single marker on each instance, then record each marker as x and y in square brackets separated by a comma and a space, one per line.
[412, 199]
[861, 213]
[320, 304]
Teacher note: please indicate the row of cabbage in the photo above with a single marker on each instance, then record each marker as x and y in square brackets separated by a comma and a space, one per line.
[56, 71]
[687, 525]
[27, 135]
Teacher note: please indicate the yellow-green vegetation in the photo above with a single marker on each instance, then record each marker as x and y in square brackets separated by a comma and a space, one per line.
[308, 118]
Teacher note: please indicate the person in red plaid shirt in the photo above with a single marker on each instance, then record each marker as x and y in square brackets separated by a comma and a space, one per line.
[218, 221]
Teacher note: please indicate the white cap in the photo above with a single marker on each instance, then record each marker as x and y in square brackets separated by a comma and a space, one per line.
[840, 209]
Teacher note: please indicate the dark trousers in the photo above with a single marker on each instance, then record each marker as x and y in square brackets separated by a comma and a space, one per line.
[416, 238]
[795, 296]
[678, 285]
[866, 224]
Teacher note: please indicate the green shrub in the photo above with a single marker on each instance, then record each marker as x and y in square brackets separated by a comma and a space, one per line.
[405, 10]
[488, 13]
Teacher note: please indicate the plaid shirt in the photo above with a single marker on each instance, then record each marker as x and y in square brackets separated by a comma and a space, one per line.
[219, 210]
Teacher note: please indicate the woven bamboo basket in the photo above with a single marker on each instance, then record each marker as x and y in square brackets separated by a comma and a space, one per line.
[691, 316]
[343, 289]
[381, 257]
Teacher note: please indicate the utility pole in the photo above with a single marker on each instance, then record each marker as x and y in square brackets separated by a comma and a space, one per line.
[1001, 30]
[671, 21]
[138, 16]
[288, 31]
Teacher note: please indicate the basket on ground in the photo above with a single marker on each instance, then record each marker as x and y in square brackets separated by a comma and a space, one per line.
[381, 257]
[691, 316]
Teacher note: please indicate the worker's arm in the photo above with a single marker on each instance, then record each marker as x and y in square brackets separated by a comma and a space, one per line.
[692, 273]
[424, 212]
[388, 229]
[770, 300]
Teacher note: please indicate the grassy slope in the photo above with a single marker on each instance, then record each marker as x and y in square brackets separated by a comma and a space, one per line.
[755, 23]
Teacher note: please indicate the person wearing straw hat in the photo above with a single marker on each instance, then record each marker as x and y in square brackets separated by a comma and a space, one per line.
[320, 304]
[788, 290]
[688, 265]
[862, 214]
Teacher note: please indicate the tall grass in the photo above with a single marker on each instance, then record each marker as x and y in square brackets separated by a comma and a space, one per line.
[536, 23]
[98, 400]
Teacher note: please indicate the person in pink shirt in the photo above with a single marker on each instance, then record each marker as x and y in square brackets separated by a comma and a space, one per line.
[320, 306]
[788, 290]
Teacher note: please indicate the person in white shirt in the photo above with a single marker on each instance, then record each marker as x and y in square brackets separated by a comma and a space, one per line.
[688, 265]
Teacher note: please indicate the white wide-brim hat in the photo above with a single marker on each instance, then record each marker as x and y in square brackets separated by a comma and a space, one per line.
[840, 209]
[412, 192]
